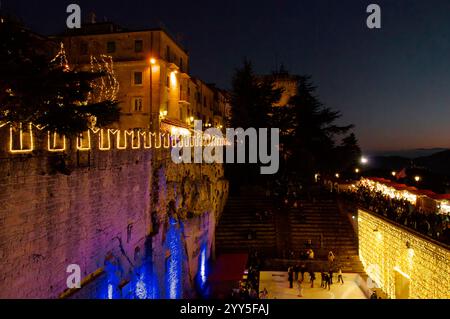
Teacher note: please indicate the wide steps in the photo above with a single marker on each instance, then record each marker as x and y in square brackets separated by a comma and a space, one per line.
[239, 218]
[316, 265]
[319, 221]
[322, 223]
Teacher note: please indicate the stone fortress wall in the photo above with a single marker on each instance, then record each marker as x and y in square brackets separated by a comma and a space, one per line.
[107, 209]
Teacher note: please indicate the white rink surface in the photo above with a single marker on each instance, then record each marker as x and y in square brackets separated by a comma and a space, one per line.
[277, 285]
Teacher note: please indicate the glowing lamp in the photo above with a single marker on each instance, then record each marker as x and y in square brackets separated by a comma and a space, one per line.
[152, 61]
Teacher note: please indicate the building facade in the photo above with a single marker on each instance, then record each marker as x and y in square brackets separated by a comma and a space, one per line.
[152, 69]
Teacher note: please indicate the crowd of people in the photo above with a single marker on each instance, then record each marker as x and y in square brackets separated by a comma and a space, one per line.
[248, 288]
[402, 211]
[296, 274]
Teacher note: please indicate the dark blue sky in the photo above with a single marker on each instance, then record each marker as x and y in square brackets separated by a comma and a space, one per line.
[393, 83]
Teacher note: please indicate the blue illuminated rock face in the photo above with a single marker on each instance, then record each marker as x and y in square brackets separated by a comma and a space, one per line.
[202, 273]
[185, 204]
[110, 281]
[174, 260]
[144, 284]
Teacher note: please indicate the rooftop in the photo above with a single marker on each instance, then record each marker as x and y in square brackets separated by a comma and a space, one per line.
[103, 28]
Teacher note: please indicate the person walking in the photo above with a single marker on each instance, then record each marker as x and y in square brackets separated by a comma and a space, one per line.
[325, 280]
[340, 278]
[329, 282]
[302, 271]
[290, 277]
[322, 279]
[312, 277]
[331, 272]
[296, 271]
[331, 257]
[300, 289]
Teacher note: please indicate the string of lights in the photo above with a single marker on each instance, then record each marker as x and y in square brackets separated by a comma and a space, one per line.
[107, 86]
[393, 257]
[61, 58]
[23, 139]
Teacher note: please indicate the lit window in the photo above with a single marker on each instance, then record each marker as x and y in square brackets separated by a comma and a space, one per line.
[137, 78]
[137, 104]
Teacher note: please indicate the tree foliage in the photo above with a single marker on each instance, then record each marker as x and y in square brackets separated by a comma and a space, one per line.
[34, 88]
[309, 132]
[348, 154]
[251, 100]
[311, 141]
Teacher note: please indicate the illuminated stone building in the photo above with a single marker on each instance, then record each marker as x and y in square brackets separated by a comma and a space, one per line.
[152, 69]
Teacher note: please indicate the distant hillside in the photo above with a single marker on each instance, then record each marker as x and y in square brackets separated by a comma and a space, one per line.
[411, 154]
[437, 163]
[389, 162]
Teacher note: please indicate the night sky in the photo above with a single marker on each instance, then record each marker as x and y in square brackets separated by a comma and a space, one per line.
[393, 83]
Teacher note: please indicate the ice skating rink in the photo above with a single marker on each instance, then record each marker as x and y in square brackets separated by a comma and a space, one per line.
[277, 285]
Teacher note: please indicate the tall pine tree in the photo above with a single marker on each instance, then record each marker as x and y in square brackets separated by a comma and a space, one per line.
[251, 101]
[308, 132]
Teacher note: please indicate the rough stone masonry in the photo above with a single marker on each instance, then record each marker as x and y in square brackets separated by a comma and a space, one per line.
[84, 207]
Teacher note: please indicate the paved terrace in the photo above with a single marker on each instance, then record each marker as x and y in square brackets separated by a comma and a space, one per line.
[277, 285]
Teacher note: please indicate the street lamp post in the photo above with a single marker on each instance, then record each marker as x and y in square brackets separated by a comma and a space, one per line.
[152, 112]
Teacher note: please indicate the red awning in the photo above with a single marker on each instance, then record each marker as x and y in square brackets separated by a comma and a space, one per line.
[379, 179]
[441, 196]
[229, 267]
[412, 189]
[426, 192]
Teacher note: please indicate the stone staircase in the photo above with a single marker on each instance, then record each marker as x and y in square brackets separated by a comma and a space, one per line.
[239, 219]
[318, 220]
[321, 222]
